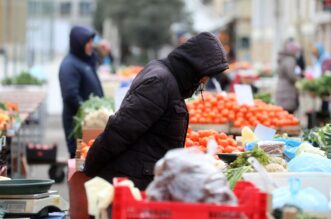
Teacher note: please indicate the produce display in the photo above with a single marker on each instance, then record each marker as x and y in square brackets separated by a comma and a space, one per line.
[259, 70]
[223, 109]
[265, 97]
[25, 78]
[247, 135]
[8, 115]
[306, 147]
[241, 164]
[84, 148]
[275, 148]
[226, 144]
[320, 137]
[4, 120]
[93, 113]
[130, 71]
[320, 86]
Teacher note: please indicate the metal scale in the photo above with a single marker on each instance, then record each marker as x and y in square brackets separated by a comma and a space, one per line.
[21, 198]
[34, 205]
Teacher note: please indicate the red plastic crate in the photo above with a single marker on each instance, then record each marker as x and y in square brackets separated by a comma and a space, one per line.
[252, 204]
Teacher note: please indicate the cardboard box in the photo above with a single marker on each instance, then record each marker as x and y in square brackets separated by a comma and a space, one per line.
[89, 133]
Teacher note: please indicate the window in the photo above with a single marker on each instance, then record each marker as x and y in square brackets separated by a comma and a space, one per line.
[206, 2]
[65, 8]
[85, 8]
[244, 42]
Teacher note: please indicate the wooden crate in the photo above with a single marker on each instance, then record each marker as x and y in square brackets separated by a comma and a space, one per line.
[217, 127]
[290, 130]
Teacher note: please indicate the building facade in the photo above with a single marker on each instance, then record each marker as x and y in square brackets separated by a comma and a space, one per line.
[257, 29]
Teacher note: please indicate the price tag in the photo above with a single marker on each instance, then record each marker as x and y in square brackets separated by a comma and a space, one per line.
[244, 94]
[264, 133]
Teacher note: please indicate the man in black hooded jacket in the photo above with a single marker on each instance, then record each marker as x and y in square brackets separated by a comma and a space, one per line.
[153, 117]
[78, 79]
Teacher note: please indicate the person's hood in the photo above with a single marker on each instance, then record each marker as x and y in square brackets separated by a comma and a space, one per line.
[321, 52]
[202, 55]
[79, 36]
[320, 49]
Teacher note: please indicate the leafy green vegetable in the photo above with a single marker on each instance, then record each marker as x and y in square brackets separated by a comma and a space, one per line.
[241, 164]
[25, 78]
[3, 106]
[319, 137]
[283, 135]
[91, 105]
[235, 174]
[257, 152]
[320, 86]
[265, 97]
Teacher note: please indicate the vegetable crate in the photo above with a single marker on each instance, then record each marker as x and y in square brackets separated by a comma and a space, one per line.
[252, 204]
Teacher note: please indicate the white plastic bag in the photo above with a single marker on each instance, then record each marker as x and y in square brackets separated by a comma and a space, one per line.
[188, 175]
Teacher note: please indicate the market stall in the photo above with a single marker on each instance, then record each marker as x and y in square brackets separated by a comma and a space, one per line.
[27, 126]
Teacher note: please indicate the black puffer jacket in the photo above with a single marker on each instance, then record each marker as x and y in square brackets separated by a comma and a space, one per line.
[153, 117]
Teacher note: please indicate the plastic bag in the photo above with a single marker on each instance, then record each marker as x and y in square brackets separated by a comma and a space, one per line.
[290, 146]
[189, 175]
[274, 148]
[306, 162]
[307, 199]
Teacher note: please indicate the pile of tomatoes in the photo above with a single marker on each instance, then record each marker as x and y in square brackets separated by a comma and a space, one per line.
[129, 71]
[84, 148]
[226, 144]
[8, 113]
[221, 109]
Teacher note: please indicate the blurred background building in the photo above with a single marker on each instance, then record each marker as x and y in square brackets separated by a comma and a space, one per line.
[34, 33]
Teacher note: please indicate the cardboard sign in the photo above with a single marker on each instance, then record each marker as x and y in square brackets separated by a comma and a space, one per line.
[244, 94]
[264, 133]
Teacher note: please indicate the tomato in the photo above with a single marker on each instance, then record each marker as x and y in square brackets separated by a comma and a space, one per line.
[222, 135]
[193, 120]
[203, 141]
[84, 151]
[220, 149]
[219, 97]
[232, 142]
[219, 109]
[203, 133]
[229, 149]
[223, 143]
[223, 120]
[83, 144]
[194, 136]
[188, 142]
[90, 143]
[237, 124]
[231, 116]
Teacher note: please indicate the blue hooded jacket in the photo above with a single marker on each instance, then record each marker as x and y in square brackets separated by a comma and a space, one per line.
[78, 78]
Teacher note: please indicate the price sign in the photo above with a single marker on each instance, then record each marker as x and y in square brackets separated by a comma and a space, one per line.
[244, 94]
[264, 133]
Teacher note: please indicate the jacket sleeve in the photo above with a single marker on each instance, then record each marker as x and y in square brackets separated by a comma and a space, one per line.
[140, 109]
[69, 82]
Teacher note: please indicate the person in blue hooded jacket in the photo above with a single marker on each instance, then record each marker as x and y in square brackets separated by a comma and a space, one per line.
[320, 56]
[78, 79]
